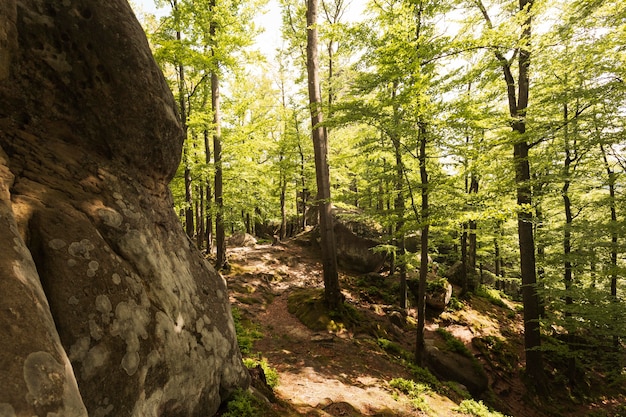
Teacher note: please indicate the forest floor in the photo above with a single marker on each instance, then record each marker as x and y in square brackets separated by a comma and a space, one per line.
[347, 372]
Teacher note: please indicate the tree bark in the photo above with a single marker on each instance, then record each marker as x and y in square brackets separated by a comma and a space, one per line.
[473, 246]
[209, 196]
[518, 103]
[332, 292]
[614, 250]
[220, 233]
[421, 292]
[182, 107]
[399, 204]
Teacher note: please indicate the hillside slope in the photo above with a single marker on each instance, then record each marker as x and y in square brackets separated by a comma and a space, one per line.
[358, 364]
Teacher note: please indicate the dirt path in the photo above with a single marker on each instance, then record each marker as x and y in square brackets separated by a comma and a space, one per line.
[325, 371]
[321, 373]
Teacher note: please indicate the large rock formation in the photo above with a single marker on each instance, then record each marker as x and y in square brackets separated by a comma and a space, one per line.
[105, 307]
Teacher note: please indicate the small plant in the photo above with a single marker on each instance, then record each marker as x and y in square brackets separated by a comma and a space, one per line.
[455, 304]
[241, 404]
[491, 294]
[271, 375]
[477, 409]
[423, 375]
[246, 332]
[453, 344]
[413, 390]
[390, 347]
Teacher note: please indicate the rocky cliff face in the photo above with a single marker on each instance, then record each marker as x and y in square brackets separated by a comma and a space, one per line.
[106, 309]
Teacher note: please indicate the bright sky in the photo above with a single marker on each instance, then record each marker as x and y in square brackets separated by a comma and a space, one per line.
[269, 40]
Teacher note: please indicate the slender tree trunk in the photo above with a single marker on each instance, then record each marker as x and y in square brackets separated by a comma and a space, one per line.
[421, 292]
[283, 207]
[303, 183]
[518, 103]
[496, 250]
[399, 205]
[611, 176]
[189, 214]
[182, 107]
[473, 246]
[567, 246]
[464, 262]
[332, 293]
[209, 196]
[220, 233]
[200, 218]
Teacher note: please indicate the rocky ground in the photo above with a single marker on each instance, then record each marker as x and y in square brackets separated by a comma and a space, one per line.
[346, 371]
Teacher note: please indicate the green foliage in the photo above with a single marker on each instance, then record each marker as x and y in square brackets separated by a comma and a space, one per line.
[494, 296]
[414, 390]
[423, 375]
[455, 304]
[453, 344]
[388, 81]
[271, 374]
[477, 409]
[242, 404]
[246, 331]
[392, 348]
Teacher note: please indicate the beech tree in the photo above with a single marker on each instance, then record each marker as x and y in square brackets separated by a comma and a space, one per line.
[332, 292]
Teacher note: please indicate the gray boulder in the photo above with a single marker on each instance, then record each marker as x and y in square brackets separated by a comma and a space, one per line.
[451, 366]
[107, 308]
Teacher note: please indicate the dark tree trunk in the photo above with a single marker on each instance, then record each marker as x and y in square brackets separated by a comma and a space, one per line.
[614, 250]
[567, 246]
[200, 218]
[464, 275]
[399, 205]
[421, 292]
[473, 247]
[208, 215]
[332, 292]
[220, 233]
[182, 107]
[189, 215]
[518, 103]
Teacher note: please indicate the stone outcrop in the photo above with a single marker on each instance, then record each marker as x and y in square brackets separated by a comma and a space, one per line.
[355, 252]
[106, 307]
[451, 366]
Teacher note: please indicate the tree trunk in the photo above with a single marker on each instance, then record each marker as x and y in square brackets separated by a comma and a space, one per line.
[332, 293]
[421, 292]
[209, 196]
[567, 247]
[611, 175]
[473, 247]
[220, 233]
[464, 261]
[283, 206]
[189, 214]
[518, 103]
[200, 218]
[182, 107]
[497, 255]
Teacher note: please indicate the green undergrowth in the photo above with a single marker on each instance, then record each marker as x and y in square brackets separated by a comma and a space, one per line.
[405, 358]
[242, 404]
[477, 408]
[271, 375]
[415, 391]
[309, 307]
[247, 332]
[494, 296]
[453, 344]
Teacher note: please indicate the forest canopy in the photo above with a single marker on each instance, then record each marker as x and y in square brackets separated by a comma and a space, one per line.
[508, 115]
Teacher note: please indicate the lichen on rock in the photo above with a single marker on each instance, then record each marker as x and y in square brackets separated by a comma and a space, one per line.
[108, 292]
